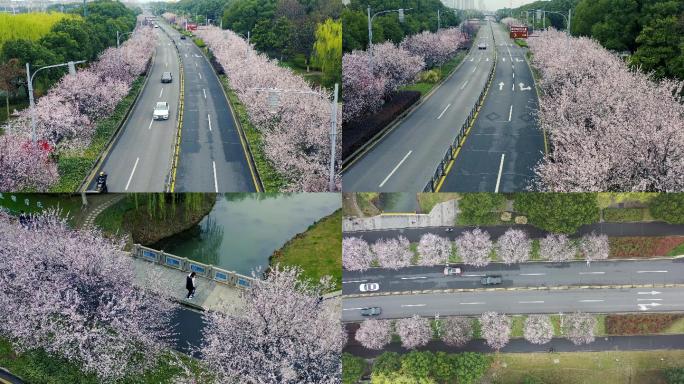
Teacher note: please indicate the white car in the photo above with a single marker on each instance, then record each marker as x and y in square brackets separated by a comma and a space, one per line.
[369, 287]
[161, 111]
[482, 46]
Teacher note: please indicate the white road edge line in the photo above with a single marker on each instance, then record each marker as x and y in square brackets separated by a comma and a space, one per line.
[394, 170]
[445, 109]
[649, 299]
[510, 113]
[498, 178]
[132, 172]
[352, 309]
[209, 118]
[354, 281]
[213, 163]
[413, 305]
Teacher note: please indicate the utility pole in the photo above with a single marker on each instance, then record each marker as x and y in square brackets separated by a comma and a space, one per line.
[333, 140]
[85, 9]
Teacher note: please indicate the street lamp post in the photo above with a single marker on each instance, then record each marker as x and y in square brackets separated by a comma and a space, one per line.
[370, 29]
[32, 104]
[568, 19]
[274, 100]
[120, 35]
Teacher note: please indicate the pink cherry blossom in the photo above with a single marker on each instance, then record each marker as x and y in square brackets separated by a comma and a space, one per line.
[435, 48]
[474, 247]
[363, 92]
[457, 331]
[538, 329]
[496, 329]
[356, 254]
[374, 334]
[393, 253]
[557, 248]
[594, 247]
[414, 331]
[513, 246]
[579, 327]
[434, 249]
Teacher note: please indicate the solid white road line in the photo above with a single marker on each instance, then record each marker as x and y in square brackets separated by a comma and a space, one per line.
[592, 273]
[498, 178]
[532, 274]
[649, 299]
[213, 163]
[413, 278]
[132, 172]
[204, 91]
[476, 303]
[209, 118]
[354, 281]
[445, 109]
[510, 113]
[590, 301]
[394, 170]
[413, 305]
[530, 302]
[464, 84]
[352, 309]
[651, 271]
[150, 127]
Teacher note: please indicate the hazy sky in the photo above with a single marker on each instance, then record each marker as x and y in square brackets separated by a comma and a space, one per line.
[493, 5]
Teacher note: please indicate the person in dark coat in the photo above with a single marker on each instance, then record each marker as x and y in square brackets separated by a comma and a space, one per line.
[190, 285]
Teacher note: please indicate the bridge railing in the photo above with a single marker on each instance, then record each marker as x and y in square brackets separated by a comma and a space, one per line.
[208, 271]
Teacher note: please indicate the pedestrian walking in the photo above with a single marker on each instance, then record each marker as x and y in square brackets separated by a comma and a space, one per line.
[190, 285]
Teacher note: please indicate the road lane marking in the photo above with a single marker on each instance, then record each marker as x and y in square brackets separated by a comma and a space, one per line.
[413, 278]
[213, 163]
[473, 275]
[592, 273]
[590, 301]
[160, 93]
[649, 299]
[498, 178]
[394, 170]
[445, 109]
[475, 68]
[200, 75]
[204, 91]
[649, 293]
[186, 55]
[530, 302]
[150, 127]
[513, 76]
[209, 118]
[475, 303]
[132, 172]
[651, 271]
[513, 88]
[166, 65]
[354, 281]
[532, 274]
[413, 305]
[352, 309]
[464, 84]
[510, 113]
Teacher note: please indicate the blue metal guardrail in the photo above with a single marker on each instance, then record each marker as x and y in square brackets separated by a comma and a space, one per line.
[208, 271]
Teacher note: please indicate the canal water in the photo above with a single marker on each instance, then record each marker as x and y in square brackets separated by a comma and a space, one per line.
[244, 229]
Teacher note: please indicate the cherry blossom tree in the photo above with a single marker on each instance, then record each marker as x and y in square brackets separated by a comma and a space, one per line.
[514, 246]
[434, 249]
[579, 327]
[296, 133]
[374, 334]
[414, 331]
[356, 254]
[396, 65]
[474, 247]
[457, 331]
[538, 329]
[435, 48]
[285, 333]
[557, 248]
[73, 293]
[24, 165]
[594, 247]
[496, 329]
[508, 21]
[610, 128]
[393, 253]
[363, 91]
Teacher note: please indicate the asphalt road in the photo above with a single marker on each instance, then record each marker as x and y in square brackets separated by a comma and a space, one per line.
[531, 274]
[140, 159]
[518, 302]
[212, 157]
[609, 229]
[405, 159]
[601, 344]
[505, 143]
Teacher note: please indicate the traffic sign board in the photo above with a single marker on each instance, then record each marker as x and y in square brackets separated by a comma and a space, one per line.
[518, 31]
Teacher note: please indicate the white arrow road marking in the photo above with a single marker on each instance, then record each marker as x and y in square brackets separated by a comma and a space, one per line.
[649, 299]
[530, 302]
[590, 301]
[464, 84]
[352, 309]
[413, 278]
[476, 303]
[132, 172]
[445, 109]
[644, 307]
[395, 169]
[150, 127]
[413, 305]
[510, 113]
[523, 88]
[517, 60]
[213, 163]
[649, 293]
[592, 273]
[501, 84]
[354, 281]
[498, 178]
[532, 274]
[651, 271]
[204, 91]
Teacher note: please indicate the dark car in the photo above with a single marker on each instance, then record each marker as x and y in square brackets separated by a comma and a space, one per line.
[371, 311]
[166, 77]
[182, 37]
[491, 280]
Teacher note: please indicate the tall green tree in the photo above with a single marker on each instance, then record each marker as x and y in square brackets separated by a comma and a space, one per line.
[328, 51]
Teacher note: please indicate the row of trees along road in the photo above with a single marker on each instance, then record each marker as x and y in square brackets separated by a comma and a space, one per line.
[296, 32]
[70, 39]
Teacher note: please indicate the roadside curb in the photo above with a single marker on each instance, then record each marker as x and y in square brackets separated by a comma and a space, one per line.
[179, 117]
[540, 288]
[378, 137]
[117, 134]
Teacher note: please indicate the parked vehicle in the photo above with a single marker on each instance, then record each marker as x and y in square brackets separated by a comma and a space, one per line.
[161, 111]
[452, 271]
[491, 280]
[369, 287]
[182, 37]
[166, 77]
[371, 311]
